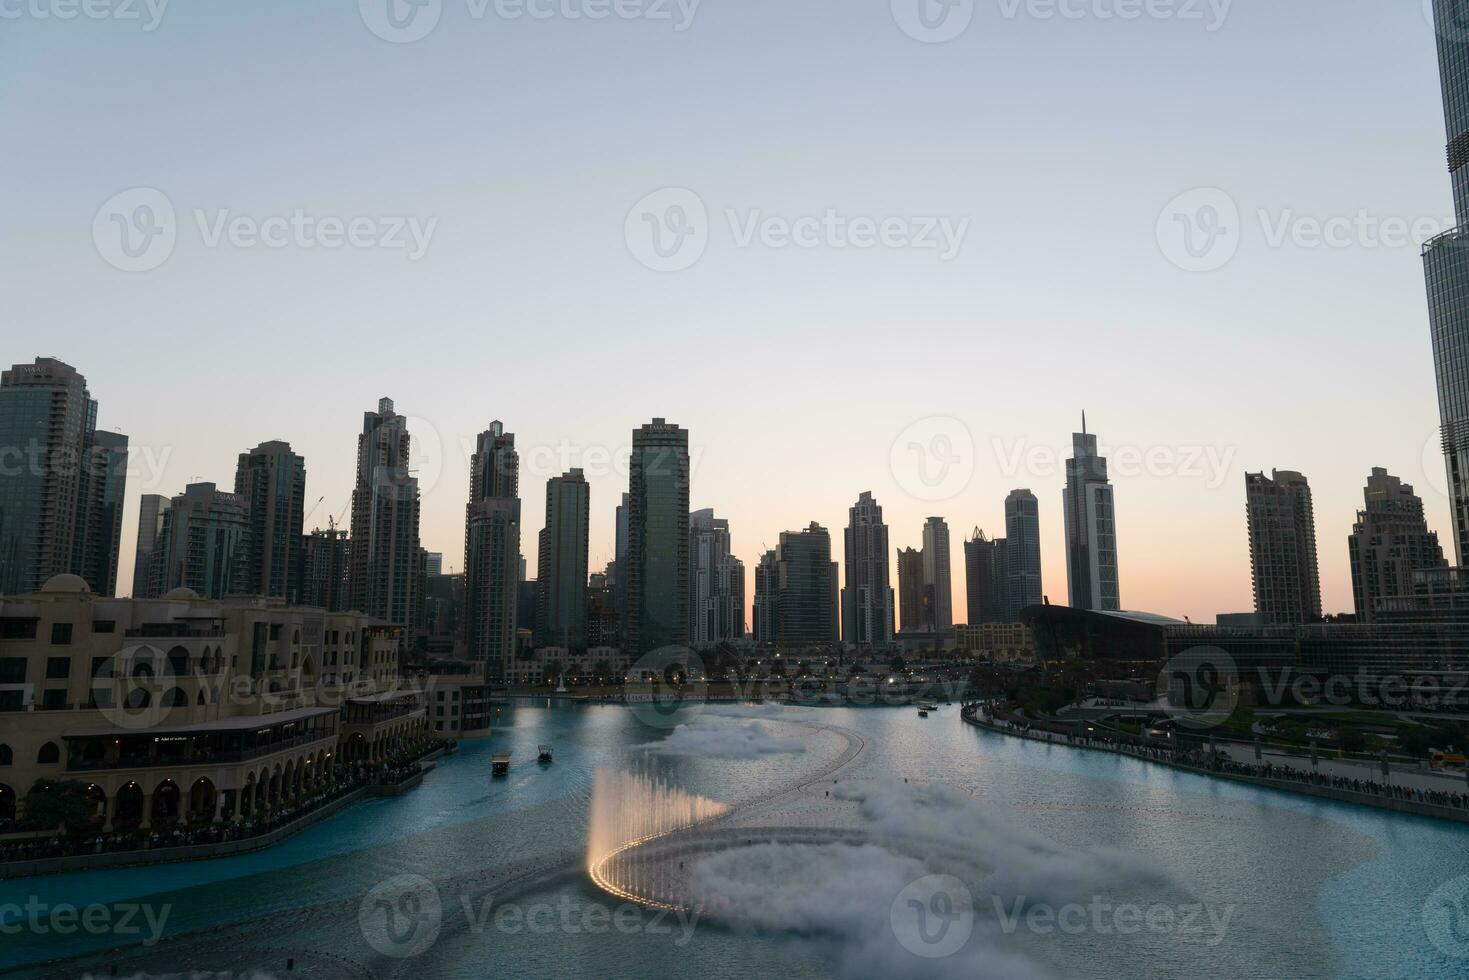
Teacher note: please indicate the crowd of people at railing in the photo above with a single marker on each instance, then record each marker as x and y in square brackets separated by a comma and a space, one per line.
[1216, 761]
[86, 842]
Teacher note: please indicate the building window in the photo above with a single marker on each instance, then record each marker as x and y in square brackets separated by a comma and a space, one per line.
[17, 629]
[12, 670]
[49, 755]
[104, 626]
[6, 756]
[12, 700]
[58, 668]
[60, 633]
[54, 699]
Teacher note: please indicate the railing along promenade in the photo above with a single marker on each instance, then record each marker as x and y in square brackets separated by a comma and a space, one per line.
[1384, 795]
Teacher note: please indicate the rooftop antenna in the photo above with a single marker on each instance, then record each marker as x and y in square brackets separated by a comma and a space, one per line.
[1083, 421]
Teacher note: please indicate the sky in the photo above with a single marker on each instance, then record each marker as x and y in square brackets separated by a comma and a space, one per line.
[848, 245]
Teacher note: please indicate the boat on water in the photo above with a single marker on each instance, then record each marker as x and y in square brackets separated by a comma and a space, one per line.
[923, 712]
[544, 754]
[500, 764]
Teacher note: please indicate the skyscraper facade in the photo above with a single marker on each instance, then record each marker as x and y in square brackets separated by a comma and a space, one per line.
[384, 573]
[1022, 553]
[151, 508]
[658, 539]
[867, 601]
[765, 615]
[915, 596]
[979, 580]
[105, 486]
[273, 480]
[1091, 530]
[561, 571]
[806, 588]
[205, 543]
[492, 552]
[1389, 542]
[324, 563]
[56, 498]
[1446, 270]
[1282, 526]
[716, 583]
[938, 572]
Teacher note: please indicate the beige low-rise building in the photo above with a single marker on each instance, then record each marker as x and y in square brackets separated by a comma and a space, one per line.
[181, 709]
[996, 641]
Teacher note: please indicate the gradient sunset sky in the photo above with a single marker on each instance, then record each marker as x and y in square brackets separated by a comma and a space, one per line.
[1060, 140]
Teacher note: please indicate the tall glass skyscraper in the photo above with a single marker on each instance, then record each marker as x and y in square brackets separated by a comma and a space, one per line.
[1446, 268]
[62, 486]
[867, 601]
[561, 571]
[658, 539]
[492, 551]
[1091, 529]
[384, 577]
[1022, 553]
[272, 479]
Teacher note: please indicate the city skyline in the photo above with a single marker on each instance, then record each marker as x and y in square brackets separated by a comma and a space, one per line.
[612, 470]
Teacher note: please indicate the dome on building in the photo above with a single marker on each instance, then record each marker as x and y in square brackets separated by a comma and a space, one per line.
[181, 593]
[66, 584]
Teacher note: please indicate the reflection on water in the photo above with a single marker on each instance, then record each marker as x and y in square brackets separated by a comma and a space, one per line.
[1315, 888]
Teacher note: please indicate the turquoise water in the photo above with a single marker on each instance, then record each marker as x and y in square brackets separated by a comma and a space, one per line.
[1315, 888]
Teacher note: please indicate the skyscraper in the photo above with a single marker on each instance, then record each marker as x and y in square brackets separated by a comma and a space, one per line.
[561, 571]
[1389, 542]
[938, 572]
[716, 583]
[765, 616]
[1022, 553]
[1282, 526]
[805, 588]
[273, 480]
[325, 560]
[1446, 270]
[150, 529]
[658, 539]
[64, 478]
[867, 601]
[384, 572]
[979, 580]
[1091, 531]
[105, 482]
[915, 596]
[435, 563]
[492, 551]
[205, 543]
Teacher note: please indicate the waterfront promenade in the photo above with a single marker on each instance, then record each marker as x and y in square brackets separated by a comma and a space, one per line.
[1386, 795]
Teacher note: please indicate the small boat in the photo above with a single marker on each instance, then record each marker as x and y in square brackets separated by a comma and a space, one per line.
[923, 712]
[544, 753]
[500, 766]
